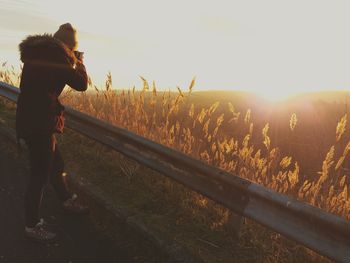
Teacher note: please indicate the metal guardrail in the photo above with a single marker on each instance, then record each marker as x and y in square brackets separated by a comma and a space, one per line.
[325, 233]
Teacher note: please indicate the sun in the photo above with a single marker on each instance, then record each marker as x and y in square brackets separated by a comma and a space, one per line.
[275, 95]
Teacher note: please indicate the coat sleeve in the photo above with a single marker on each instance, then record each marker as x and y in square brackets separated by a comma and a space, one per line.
[76, 77]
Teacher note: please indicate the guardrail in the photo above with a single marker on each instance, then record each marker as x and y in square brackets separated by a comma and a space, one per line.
[325, 233]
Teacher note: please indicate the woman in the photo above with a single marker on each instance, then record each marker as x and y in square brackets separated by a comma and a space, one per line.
[49, 64]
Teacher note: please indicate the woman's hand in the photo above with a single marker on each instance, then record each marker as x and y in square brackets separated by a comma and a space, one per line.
[79, 66]
[79, 55]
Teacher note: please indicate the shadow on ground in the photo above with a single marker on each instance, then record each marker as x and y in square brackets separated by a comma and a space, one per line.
[79, 240]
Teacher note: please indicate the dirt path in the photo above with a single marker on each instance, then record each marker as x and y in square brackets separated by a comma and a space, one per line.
[79, 241]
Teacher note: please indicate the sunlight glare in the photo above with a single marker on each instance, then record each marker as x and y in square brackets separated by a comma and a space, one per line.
[272, 95]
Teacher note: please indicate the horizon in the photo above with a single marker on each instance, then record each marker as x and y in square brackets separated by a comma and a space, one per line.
[307, 95]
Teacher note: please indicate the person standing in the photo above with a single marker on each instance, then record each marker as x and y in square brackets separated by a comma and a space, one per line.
[49, 63]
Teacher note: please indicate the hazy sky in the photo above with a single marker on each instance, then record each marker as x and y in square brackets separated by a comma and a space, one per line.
[274, 47]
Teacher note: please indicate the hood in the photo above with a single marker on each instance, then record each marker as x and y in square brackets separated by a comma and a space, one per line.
[45, 48]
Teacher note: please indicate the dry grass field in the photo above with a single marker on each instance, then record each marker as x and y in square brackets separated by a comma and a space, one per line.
[298, 147]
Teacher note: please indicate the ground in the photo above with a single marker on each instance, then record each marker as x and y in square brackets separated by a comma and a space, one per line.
[79, 239]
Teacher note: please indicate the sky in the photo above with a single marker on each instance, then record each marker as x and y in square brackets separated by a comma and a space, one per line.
[272, 47]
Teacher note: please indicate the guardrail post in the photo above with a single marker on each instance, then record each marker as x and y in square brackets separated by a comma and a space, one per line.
[234, 225]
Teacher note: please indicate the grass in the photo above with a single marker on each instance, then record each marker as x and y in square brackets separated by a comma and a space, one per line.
[224, 134]
[309, 167]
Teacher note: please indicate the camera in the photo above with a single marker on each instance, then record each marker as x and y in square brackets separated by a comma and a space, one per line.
[79, 55]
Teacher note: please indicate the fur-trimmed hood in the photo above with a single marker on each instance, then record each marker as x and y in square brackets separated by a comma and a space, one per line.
[45, 48]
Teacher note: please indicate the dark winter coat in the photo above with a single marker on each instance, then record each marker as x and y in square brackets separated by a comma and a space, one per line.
[48, 67]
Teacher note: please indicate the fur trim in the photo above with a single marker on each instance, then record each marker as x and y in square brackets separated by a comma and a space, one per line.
[45, 48]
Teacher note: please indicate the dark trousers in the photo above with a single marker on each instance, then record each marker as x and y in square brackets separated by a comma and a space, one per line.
[46, 164]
